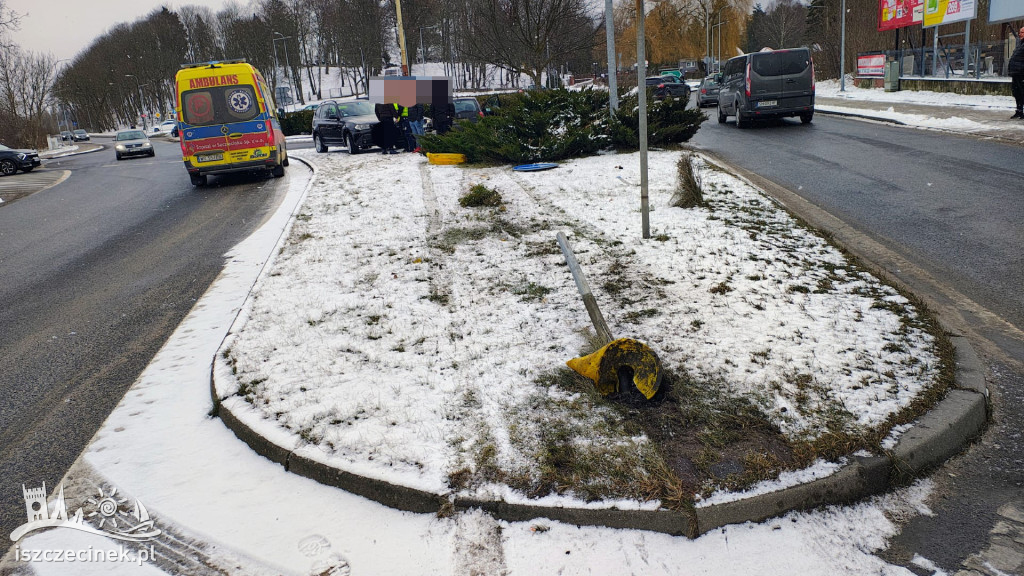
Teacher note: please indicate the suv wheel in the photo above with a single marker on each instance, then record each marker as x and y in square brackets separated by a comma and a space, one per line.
[721, 114]
[319, 144]
[806, 117]
[350, 143]
[741, 122]
[8, 168]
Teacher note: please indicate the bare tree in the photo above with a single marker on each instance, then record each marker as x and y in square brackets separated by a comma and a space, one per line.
[531, 35]
[25, 80]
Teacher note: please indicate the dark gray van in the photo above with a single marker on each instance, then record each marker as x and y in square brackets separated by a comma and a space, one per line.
[767, 84]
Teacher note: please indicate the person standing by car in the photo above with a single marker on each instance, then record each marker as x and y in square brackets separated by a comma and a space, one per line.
[386, 132]
[415, 124]
[1016, 70]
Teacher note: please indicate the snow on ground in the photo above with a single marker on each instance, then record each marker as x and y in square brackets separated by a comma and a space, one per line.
[208, 490]
[410, 338]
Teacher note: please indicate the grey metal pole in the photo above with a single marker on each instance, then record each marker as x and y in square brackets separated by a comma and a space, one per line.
[967, 47]
[842, 50]
[641, 93]
[276, 66]
[613, 67]
[596, 318]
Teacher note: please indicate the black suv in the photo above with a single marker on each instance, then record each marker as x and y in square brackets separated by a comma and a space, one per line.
[348, 123]
[769, 84]
[13, 160]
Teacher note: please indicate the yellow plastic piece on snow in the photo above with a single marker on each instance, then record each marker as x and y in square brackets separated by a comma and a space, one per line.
[444, 158]
[603, 367]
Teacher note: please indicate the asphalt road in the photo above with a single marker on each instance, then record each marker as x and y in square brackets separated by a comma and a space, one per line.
[95, 274]
[948, 211]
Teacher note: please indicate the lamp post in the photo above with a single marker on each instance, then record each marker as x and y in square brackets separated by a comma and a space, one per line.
[842, 49]
[64, 108]
[641, 93]
[613, 66]
[142, 105]
[709, 34]
[423, 61]
[287, 64]
[718, 56]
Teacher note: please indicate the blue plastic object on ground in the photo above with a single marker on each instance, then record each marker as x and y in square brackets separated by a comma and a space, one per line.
[534, 167]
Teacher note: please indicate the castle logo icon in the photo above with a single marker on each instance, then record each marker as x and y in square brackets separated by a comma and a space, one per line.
[113, 521]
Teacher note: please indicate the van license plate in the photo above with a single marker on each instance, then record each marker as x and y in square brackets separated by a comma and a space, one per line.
[767, 103]
[210, 157]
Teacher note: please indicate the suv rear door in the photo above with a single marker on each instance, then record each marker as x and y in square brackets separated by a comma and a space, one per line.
[781, 79]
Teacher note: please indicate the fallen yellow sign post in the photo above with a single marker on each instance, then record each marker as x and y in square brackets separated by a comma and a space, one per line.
[619, 361]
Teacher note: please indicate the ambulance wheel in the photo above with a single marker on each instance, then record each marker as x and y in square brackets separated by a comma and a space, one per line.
[198, 179]
[277, 171]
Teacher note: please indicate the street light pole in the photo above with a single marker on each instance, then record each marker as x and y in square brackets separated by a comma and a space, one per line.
[287, 64]
[142, 105]
[842, 50]
[423, 61]
[613, 66]
[641, 93]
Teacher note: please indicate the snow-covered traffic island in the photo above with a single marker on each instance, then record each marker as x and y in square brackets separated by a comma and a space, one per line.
[406, 338]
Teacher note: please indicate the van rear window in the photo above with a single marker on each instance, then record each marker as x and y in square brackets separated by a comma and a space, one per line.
[219, 105]
[781, 63]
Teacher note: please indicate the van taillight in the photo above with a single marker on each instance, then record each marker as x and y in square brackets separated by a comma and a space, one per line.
[812, 75]
[748, 78]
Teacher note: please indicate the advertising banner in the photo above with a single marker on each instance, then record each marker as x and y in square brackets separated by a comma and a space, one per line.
[893, 14]
[1003, 10]
[947, 11]
[871, 64]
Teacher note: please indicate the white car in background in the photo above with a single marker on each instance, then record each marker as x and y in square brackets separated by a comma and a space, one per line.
[164, 128]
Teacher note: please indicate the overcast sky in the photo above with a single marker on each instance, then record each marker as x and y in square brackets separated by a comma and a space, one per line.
[66, 27]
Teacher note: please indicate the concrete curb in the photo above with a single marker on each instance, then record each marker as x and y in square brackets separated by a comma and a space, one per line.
[93, 148]
[941, 433]
[861, 116]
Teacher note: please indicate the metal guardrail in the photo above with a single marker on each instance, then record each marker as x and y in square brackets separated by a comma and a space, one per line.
[985, 60]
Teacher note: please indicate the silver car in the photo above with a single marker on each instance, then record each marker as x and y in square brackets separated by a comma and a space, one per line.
[132, 143]
[707, 92]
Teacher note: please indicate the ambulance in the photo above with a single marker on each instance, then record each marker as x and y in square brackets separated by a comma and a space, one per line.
[227, 121]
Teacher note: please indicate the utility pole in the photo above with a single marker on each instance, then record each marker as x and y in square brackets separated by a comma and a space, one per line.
[287, 64]
[842, 49]
[401, 38]
[641, 93]
[613, 67]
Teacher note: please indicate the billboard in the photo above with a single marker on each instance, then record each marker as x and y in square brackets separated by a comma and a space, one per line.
[871, 64]
[947, 11]
[893, 14]
[1003, 10]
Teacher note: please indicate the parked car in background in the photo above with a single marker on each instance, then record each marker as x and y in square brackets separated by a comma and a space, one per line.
[166, 127]
[80, 136]
[132, 143]
[346, 123]
[707, 92]
[66, 136]
[309, 107]
[12, 160]
[468, 109]
[769, 84]
[675, 73]
[665, 88]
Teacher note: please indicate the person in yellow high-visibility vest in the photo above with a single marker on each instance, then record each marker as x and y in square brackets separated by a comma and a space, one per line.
[407, 140]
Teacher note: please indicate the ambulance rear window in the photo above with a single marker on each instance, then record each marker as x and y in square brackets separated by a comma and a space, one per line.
[219, 105]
